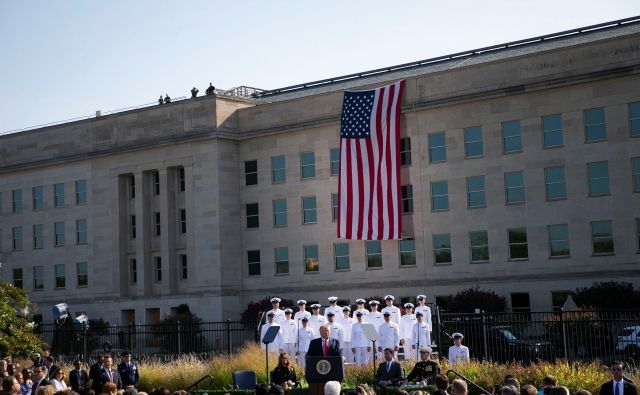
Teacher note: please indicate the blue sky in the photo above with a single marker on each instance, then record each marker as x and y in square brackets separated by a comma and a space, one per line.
[64, 59]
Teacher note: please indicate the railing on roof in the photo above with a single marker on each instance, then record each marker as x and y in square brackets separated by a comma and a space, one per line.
[241, 91]
[458, 55]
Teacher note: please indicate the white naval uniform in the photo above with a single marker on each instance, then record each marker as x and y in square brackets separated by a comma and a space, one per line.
[364, 312]
[315, 322]
[277, 343]
[299, 315]
[336, 310]
[426, 314]
[388, 336]
[290, 337]
[337, 332]
[360, 342]
[278, 315]
[407, 322]
[375, 318]
[304, 338]
[458, 354]
[346, 324]
[421, 337]
[394, 313]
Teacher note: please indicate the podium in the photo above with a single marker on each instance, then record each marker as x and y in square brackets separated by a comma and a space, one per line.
[321, 369]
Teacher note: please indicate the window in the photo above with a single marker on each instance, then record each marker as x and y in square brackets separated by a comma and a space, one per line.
[558, 298]
[473, 142]
[511, 137]
[341, 256]
[598, 173]
[555, 183]
[82, 274]
[558, 240]
[280, 212]
[307, 165]
[38, 278]
[38, 236]
[442, 248]
[253, 218]
[278, 170]
[334, 207]
[16, 238]
[81, 192]
[36, 193]
[475, 192]
[181, 180]
[133, 270]
[253, 260]
[58, 193]
[594, 125]
[183, 220]
[311, 263]
[156, 183]
[518, 246]
[552, 135]
[58, 229]
[81, 231]
[16, 201]
[373, 251]
[251, 172]
[156, 223]
[334, 157]
[18, 277]
[437, 147]
[407, 248]
[514, 187]
[60, 280]
[637, 234]
[132, 187]
[157, 264]
[634, 119]
[407, 198]
[405, 151]
[281, 255]
[602, 237]
[520, 302]
[479, 242]
[184, 272]
[635, 174]
[132, 227]
[309, 210]
[439, 196]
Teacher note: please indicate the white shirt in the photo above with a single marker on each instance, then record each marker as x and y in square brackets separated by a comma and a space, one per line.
[300, 315]
[426, 314]
[315, 322]
[394, 312]
[336, 310]
[346, 324]
[304, 338]
[621, 387]
[58, 385]
[388, 335]
[277, 342]
[458, 354]
[375, 318]
[358, 338]
[336, 332]
[278, 315]
[407, 322]
[419, 334]
[364, 312]
[289, 331]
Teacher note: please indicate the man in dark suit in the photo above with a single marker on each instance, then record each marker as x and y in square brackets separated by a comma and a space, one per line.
[107, 375]
[389, 372]
[94, 374]
[324, 346]
[128, 371]
[40, 374]
[619, 385]
[79, 379]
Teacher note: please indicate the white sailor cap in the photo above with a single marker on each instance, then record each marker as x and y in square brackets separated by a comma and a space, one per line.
[275, 300]
[270, 314]
[421, 297]
[330, 314]
[373, 302]
[426, 349]
[358, 313]
[386, 313]
[288, 311]
[346, 308]
[458, 334]
[302, 301]
[408, 305]
[332, 298]
[359, 301]
[305, 318]
[418, 314]
[315, 306]
[389, 297]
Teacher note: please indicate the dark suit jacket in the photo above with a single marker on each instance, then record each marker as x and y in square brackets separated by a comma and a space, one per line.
[629, 388]
[315, 348]
[79, 381]
[103, 378]
[36, 385]
[394, 375]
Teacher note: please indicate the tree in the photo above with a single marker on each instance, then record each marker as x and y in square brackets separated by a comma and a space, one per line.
[16, 332]
[607, 295]
[181, 332]
[469, 300]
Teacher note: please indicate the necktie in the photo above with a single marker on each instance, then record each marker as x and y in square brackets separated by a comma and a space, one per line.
[110, 376]
[326, 349]
[388, 366]
[617, 391]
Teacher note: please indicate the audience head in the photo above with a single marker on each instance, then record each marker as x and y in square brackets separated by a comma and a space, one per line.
[388, 354]
[332, 388]
[513, 382]
[134, 391]
[556, 390]
[617, 370]
[459, 387]
[276, 390]
[441, 382]
[45, 390]
[528, 389]
[549, 381]
[440, 392]
[509, 390]
[109, 388]
[583, 392]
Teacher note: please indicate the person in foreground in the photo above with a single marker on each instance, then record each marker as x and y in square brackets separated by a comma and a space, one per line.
[389, 372]
[332, 388]
[284, 374]
[618, 386]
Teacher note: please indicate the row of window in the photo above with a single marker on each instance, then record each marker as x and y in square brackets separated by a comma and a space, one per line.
[155, 175]
[157, 269]
[59, 279]
[557, 234]
[59, 235]
[157, 224]
[37, 197]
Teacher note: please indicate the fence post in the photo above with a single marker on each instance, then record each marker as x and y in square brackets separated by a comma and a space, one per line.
[564, 334]
[484, 336]
[179, 341]
[131, 337]
[84, 342]
[228, 336]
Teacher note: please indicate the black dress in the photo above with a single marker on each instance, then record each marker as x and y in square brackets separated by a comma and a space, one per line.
[281, 374]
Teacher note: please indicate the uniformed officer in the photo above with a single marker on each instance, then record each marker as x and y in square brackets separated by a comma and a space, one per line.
[276, 345]
[278, 313]
[425, 371]
[316, 320]
[128, 371]
[375, 317]
[302, 312]
[407, 321]
[388, 335]
[458, 353]
[333, 307]
[337, 332]
[305, 334]
[393, 311]
[420, 337]
[360, 344]
[346, 322]
[424, 309]
[289, 333]
[360, 308]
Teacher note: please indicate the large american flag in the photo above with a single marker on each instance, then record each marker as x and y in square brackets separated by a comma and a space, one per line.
[369, 184]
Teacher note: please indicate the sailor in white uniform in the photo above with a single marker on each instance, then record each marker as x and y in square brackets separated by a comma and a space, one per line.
[346, 322]
[276, 345]
[305, 335]
[333, 307]
[302, 312]
[420, 337]
[391, 309]
[458, 353]
[289, 333]
[360, 308]
[337, 332]
[407, 321]
[424, 309]
[388, 334]
[316, 320]
[375, 317]
[360, 345]
[278, 313]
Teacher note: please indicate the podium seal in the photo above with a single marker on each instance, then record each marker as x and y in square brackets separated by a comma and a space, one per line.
[323, 367]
